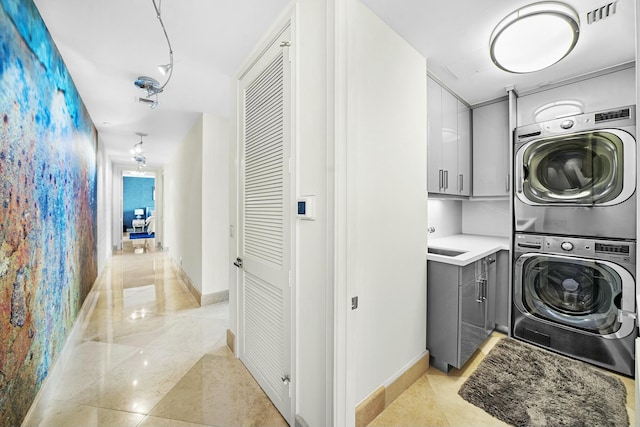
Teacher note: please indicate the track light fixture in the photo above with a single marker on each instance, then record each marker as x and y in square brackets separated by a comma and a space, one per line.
[149, 84]
[138, 152]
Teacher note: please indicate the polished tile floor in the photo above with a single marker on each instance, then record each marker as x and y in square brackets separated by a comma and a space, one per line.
[433, 399]
[150, 356]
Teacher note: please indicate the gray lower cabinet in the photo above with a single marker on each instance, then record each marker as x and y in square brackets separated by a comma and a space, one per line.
[460, 310]
[502, 291]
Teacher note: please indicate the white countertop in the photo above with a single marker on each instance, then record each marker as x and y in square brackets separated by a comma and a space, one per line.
[474, 246]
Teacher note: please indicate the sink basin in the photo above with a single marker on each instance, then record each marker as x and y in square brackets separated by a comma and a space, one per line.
[445, 252]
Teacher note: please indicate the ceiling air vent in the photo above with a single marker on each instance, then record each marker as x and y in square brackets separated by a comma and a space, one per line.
[601, 12]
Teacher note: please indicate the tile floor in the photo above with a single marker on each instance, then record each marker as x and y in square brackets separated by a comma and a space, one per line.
[150, 356]
[433, 399]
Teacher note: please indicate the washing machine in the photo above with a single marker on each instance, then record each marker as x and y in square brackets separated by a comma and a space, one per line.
[577, 297]
[577, 175]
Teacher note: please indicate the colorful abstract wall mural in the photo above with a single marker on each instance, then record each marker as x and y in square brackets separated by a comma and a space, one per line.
[48, 258]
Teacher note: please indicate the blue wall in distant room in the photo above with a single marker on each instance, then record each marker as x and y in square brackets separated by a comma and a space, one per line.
[137, 194]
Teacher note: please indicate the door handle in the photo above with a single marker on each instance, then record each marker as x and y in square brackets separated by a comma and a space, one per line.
[460, 183]
[519, 181]
[508, 182]
[440, 179]
[238, 262]
[446, 179]
[479, 291]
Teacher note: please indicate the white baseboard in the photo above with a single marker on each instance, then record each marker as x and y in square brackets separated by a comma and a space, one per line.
[206, 299]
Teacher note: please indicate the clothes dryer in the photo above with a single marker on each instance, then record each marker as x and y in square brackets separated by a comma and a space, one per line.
[577, 175]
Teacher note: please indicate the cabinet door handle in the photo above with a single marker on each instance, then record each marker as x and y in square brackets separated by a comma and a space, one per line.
[508, 182]
[440, 179]
[460, 183]
[446, 179]
[484, 289]
[479, 291]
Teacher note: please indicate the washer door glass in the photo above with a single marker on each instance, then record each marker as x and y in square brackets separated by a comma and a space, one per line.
[583, 168]
[573, 292]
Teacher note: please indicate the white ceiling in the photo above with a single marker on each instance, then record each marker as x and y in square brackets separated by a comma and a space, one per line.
[106, 45]
[454, 37]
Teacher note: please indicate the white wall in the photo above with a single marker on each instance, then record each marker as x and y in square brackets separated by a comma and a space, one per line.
[445, 216]
[489, 218]
[313, 165]
[387, 122]
[386, 203]
[314, 281]
[104, 199]
[195, 207]
[116, 207]
[611, 90]
[215, 207]
[183, 204]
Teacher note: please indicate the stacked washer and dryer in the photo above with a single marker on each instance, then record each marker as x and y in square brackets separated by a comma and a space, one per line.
[575, 237]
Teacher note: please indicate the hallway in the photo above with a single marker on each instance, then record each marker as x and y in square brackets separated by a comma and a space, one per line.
[150, 356]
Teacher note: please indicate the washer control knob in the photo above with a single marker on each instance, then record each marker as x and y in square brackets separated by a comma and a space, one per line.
[567, 124]
[567, 246]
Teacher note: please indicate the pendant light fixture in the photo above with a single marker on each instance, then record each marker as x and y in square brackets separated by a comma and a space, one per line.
[534, 37]
[149, 84]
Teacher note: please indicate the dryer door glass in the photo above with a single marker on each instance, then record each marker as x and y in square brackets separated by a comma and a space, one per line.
[573, 292]
[580, 169]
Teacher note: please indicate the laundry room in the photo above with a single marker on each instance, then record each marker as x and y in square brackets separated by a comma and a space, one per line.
[534, 218]
[560, 231]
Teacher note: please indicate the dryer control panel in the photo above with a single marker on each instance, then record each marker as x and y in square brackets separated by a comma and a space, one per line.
[614, 250]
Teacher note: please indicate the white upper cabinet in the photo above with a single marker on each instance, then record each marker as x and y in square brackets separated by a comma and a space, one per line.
[434, 137]
[448, 142]
[491, 171]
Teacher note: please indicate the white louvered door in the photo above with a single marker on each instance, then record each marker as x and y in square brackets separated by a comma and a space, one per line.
[265, 224]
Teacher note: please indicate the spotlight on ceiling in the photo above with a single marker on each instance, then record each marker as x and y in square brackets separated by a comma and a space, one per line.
[534, 37]
[165, 68]
[149, 84]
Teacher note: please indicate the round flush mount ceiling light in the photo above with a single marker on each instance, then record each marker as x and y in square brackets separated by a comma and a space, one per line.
[534, 37]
